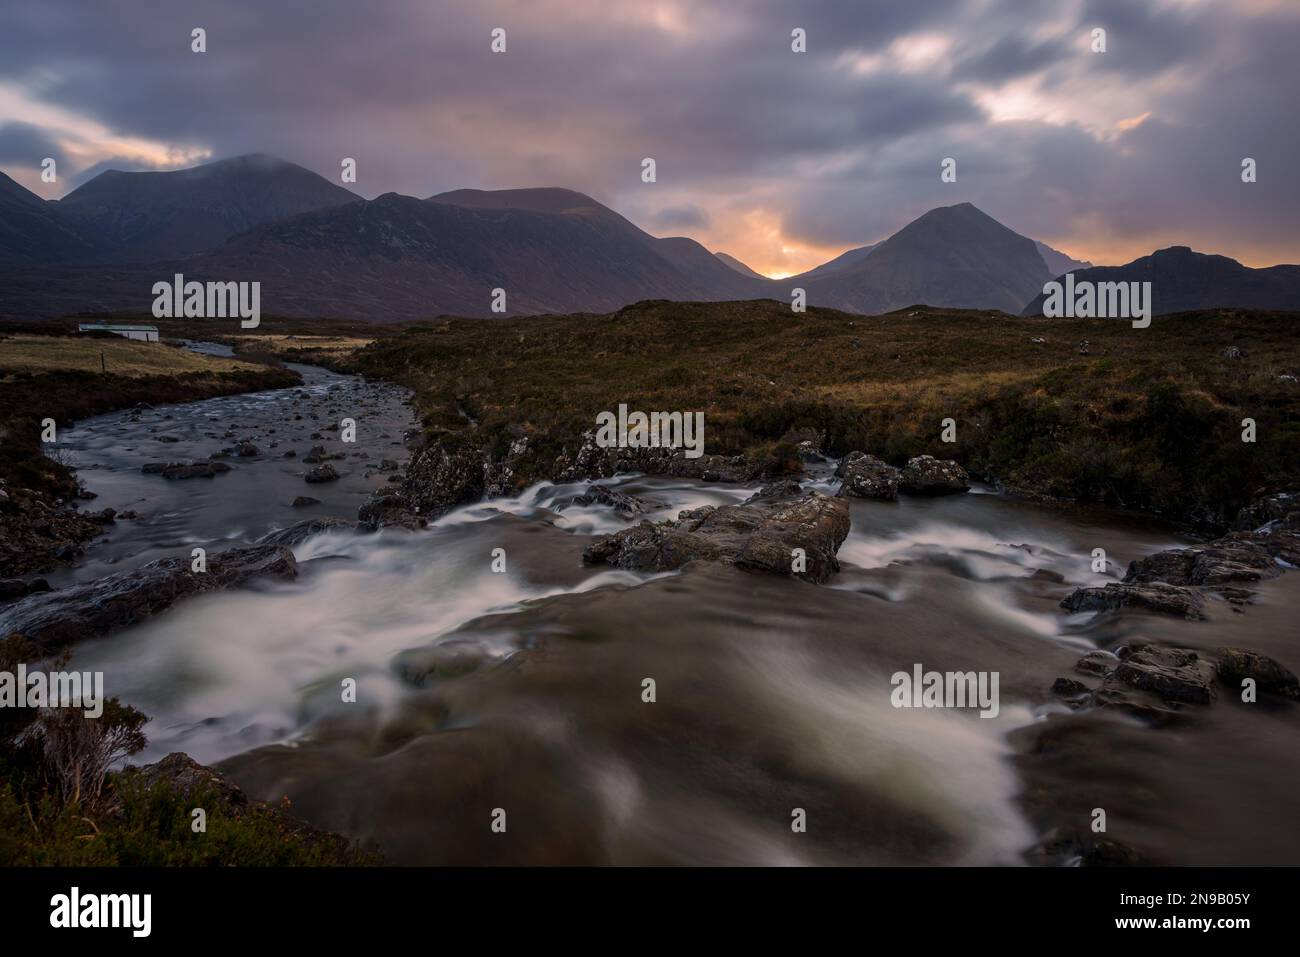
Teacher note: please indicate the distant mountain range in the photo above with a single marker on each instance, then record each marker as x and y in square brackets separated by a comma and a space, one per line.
[1182, 280]
[320, 250]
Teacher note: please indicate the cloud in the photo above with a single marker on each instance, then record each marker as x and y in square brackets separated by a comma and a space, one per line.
[774, 156]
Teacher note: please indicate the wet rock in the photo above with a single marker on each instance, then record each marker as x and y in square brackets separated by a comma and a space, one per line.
[14, 588]
[866, 476]
[782, 488]
[592, 461]
[1096, 663]
[926, 475]
[388, 511]
[1069, 688]
[620, 502]
[57, 619]
[182, 470]
[322, 473]
[439, 479]
[757, 535]
[1047, 575]
[105, 516]
[299, 532]
[1281, 510]
[1151, 681]
[302, 501]
[247, 450]
[1235, 665]
[1227, 560]
[1156, 596]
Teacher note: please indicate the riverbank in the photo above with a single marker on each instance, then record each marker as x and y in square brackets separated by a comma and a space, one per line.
[1075, 410]
[60, 378]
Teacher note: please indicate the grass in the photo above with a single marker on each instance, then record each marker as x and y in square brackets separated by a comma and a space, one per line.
[106, 353]
[1147, 418]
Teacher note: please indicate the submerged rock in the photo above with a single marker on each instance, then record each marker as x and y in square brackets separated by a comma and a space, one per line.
[59, 618]
[299, 532]
[866, 476]
[926, 475]
[757, 535]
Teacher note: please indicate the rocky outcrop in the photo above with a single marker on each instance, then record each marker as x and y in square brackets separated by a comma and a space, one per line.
[757, 535]
[1281, 510]
[1236, 665]
[866, 476]
[592, 461]
[1158, 682]
[59, 618]
[622, 502]
[926, 475]
[1174, 581]
[1156, 596]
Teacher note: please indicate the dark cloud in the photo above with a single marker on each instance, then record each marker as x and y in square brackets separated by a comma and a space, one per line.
[839, 146]
[24, 144]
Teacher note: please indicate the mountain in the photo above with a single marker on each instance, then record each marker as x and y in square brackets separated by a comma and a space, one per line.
[1183, 280]
[143, 217]
[951, 256]
[697, 265]
[31, 231]
[739, 266]
[396, 257]
[1058, 263]
[842, 261]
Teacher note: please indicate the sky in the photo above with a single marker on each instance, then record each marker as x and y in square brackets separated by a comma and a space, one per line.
[783, 159]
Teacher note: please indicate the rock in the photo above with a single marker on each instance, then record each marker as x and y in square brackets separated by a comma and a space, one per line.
[1176, 675]
[439, 479]
[105, 516]
[57, 619]
[299, 532]
[782, 488]
[1069, 688]
[755, 535]
[926, 475]
[1235, 665]
[866, 476]
[1096, 663]
[315, 455]
[322, 473]
[1226, 560]
[304, 500]
[1155, 682]
[1047, 575]
[246, 450]
[1157, 596]
[14, 588]
[181, 470]
[612, 498]
[1280, 510]
[389, 510]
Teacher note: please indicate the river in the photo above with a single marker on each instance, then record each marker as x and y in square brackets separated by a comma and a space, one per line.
[517, 696]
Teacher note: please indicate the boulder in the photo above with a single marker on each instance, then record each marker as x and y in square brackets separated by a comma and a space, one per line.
[59, 618]
[614, 499]
[322, 473]
[1235, 665]
[926, 475]
[866, 476]
[758, 535]
[1156, 596]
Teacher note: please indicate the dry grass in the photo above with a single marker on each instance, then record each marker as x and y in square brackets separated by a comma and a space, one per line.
[302, 347]
[39, 354]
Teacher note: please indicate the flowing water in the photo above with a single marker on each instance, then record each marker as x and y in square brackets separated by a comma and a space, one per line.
[522, 691]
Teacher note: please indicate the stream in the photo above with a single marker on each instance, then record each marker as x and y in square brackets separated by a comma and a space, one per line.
[522, 691]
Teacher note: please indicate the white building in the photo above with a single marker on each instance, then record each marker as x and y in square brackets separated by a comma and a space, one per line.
[139, 333]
